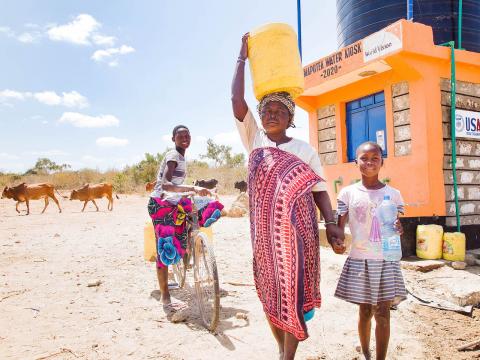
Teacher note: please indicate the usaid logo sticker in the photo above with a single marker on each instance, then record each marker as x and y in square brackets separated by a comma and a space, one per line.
[467, 124]
[459, 122]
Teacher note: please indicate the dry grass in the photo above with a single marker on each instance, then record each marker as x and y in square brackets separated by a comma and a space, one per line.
[226, 177]
[125, 181]
[62, 180]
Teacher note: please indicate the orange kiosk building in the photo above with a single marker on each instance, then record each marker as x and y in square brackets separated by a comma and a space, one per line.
[393, 87]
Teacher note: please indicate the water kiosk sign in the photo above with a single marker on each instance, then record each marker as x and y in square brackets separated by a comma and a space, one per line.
[467, 124]
[354, 56]
[382, 42]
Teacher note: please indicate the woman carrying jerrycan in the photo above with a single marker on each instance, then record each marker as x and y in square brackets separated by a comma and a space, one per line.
[285, 181]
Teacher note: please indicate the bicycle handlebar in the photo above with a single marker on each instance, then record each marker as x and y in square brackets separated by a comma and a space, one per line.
[191, 194]
[188, 194]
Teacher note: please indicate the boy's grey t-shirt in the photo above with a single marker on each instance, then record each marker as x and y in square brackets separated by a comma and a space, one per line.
[178, 177]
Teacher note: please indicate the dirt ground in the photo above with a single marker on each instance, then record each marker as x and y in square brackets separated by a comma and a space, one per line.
[47, 311]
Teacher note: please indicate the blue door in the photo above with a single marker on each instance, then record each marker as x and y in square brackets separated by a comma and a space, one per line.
[366, 122]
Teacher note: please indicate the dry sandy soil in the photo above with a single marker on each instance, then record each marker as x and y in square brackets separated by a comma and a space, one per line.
[47, 311]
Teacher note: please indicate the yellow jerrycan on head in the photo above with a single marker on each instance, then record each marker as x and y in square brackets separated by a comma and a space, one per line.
[454, 245]
[429, 241]
[275, 63]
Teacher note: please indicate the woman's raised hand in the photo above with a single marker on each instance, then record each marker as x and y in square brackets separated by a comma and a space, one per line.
[239, 105]
[244, 49]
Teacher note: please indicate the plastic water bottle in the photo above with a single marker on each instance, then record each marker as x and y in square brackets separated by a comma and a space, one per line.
[391, 245]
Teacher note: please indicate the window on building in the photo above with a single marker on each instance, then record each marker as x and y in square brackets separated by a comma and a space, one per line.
[366, 122]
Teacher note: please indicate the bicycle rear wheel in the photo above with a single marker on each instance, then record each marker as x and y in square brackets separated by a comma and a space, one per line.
[206, 282]
[180, 271]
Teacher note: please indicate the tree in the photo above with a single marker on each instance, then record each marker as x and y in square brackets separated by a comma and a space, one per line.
[46, 166]
[197, 164]
[222, 155]
[146, 170]
[236, 160]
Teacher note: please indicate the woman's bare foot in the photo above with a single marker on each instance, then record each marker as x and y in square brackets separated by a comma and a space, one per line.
[166, 300]
[367, 356]
[174, 306]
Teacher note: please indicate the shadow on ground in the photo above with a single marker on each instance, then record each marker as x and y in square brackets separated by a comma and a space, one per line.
[188, 313]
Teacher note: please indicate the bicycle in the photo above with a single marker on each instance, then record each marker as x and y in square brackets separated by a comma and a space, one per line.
[201, 257]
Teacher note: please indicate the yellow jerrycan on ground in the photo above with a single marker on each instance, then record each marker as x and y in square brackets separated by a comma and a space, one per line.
[454, 245]
[429, 241]
[208, 232]
[275, 63]
[150, 243]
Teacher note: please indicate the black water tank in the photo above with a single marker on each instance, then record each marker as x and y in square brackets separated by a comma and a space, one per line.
[357, 19]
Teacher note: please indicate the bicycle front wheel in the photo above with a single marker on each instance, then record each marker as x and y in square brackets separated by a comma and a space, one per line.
[206, 282]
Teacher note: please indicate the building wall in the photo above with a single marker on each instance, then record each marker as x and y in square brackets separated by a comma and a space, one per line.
[404, 168]
[327, 135]
[468, 156]
[401, 118]
[417, 109]
[417, 113]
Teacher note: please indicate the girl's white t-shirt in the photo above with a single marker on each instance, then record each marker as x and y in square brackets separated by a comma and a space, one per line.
[253, 137]
[361, 204]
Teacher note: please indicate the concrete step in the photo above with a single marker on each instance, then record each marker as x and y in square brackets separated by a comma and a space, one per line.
[421, 265]
[474, 252]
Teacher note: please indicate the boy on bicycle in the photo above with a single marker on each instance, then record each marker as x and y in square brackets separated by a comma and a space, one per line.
[168, 208]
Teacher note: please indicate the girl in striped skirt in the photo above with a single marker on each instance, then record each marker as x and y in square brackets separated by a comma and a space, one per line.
[367, 279]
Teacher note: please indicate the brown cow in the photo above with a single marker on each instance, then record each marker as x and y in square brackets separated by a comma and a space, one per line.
[150, 185]
[91, 192]
[25, 193]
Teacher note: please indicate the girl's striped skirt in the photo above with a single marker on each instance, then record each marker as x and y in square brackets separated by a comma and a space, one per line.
[366, 281]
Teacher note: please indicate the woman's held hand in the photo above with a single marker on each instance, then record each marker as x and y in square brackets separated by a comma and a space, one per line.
[336, 238]
[338, 246]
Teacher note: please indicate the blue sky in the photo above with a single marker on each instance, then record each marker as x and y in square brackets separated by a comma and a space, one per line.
[99, 83]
